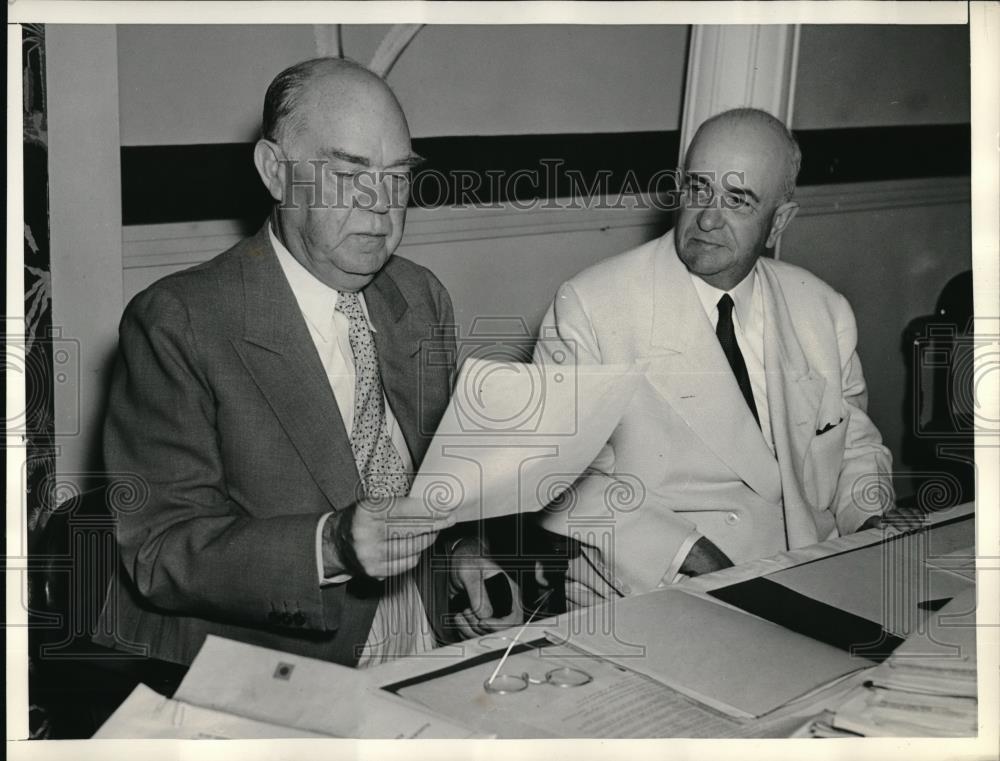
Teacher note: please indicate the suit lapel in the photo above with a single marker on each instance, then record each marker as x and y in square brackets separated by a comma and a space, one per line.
[688, 368]
[398, 337]
[280, 355]
[794, 393]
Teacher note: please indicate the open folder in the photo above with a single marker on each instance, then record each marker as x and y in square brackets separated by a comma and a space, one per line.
[713, 653]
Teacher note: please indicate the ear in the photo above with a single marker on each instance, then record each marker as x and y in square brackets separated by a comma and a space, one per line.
[267, 157]
[783, 215]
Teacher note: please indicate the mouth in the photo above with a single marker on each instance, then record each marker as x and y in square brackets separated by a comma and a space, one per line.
[705, 243]
[369, 240]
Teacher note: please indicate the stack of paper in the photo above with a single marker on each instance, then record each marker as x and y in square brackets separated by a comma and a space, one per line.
[926, 689]
[243, 691]
[881, 712]
[146, 714]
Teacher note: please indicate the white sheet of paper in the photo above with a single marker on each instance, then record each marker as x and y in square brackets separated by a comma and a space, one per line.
[291, 690]
[515, 436]
[618, 703]
[146, 714]
[894, 713]
[723, 657]
[941, 657]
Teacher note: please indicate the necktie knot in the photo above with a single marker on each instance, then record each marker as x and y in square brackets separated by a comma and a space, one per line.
[349, 304]
[725, 306]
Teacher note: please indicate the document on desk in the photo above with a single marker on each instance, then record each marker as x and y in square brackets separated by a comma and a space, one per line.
[715, 654]
[515, 436]
[304, 693]
[146, 714]
[616, 703]
[927, 688]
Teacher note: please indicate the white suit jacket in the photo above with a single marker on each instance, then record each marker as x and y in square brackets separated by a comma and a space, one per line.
[688, 447]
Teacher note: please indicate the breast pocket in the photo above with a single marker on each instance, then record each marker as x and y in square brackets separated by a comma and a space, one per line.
[823, 462]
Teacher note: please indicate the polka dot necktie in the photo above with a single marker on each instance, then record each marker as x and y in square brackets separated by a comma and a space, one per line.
[379, 464]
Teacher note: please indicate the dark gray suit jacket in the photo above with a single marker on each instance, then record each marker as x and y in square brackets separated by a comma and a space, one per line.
[220, 403]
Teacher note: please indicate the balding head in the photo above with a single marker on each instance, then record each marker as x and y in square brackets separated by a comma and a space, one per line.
[335, 156]
[330, 76]
[763, 126]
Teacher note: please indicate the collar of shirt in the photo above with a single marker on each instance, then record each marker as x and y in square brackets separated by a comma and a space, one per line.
[316, 299]
[742, 295]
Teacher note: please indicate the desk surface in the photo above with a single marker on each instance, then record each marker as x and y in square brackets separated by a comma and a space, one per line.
[903, 545]
[445, 696]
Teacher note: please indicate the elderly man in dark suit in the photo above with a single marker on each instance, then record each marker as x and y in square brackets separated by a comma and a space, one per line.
[276, 400]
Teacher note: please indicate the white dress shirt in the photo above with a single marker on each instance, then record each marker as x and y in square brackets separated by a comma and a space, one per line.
[328, 329]
[748, 324]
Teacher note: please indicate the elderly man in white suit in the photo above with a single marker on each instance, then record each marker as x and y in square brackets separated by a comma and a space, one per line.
[752, 435]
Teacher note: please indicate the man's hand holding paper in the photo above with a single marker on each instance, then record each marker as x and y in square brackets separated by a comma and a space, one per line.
[380, 537]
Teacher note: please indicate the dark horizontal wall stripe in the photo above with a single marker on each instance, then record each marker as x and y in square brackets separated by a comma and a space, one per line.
[186, 183]
[181, 183]
[870, 154]
[507, 168]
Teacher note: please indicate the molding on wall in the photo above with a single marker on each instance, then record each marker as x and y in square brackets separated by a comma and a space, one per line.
[738, 65]
[186, 243]
[392, 47]
[81, 62]
[328, 42]
[849, 197]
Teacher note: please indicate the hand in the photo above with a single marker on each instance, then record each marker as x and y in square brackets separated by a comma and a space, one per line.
[381, 537]
[588, 582]
[874, 522]
[704, 557]
[901, 518]
[470, 568]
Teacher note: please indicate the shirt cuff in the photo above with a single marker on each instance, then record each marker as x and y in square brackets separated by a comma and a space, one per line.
[673, 573]
[324, 581]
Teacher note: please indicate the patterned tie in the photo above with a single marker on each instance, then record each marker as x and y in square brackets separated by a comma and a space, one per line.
[726, 334]
[379, 464]
[400, 626]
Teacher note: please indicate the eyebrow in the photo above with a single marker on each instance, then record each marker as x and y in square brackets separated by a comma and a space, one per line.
[745, 192]
[410, 160]
[734, 190]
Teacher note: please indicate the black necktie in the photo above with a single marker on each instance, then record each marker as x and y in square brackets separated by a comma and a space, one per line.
[727, 337]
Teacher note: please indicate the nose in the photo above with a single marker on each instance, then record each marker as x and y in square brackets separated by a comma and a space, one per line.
[710, 219]
[383, 194]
